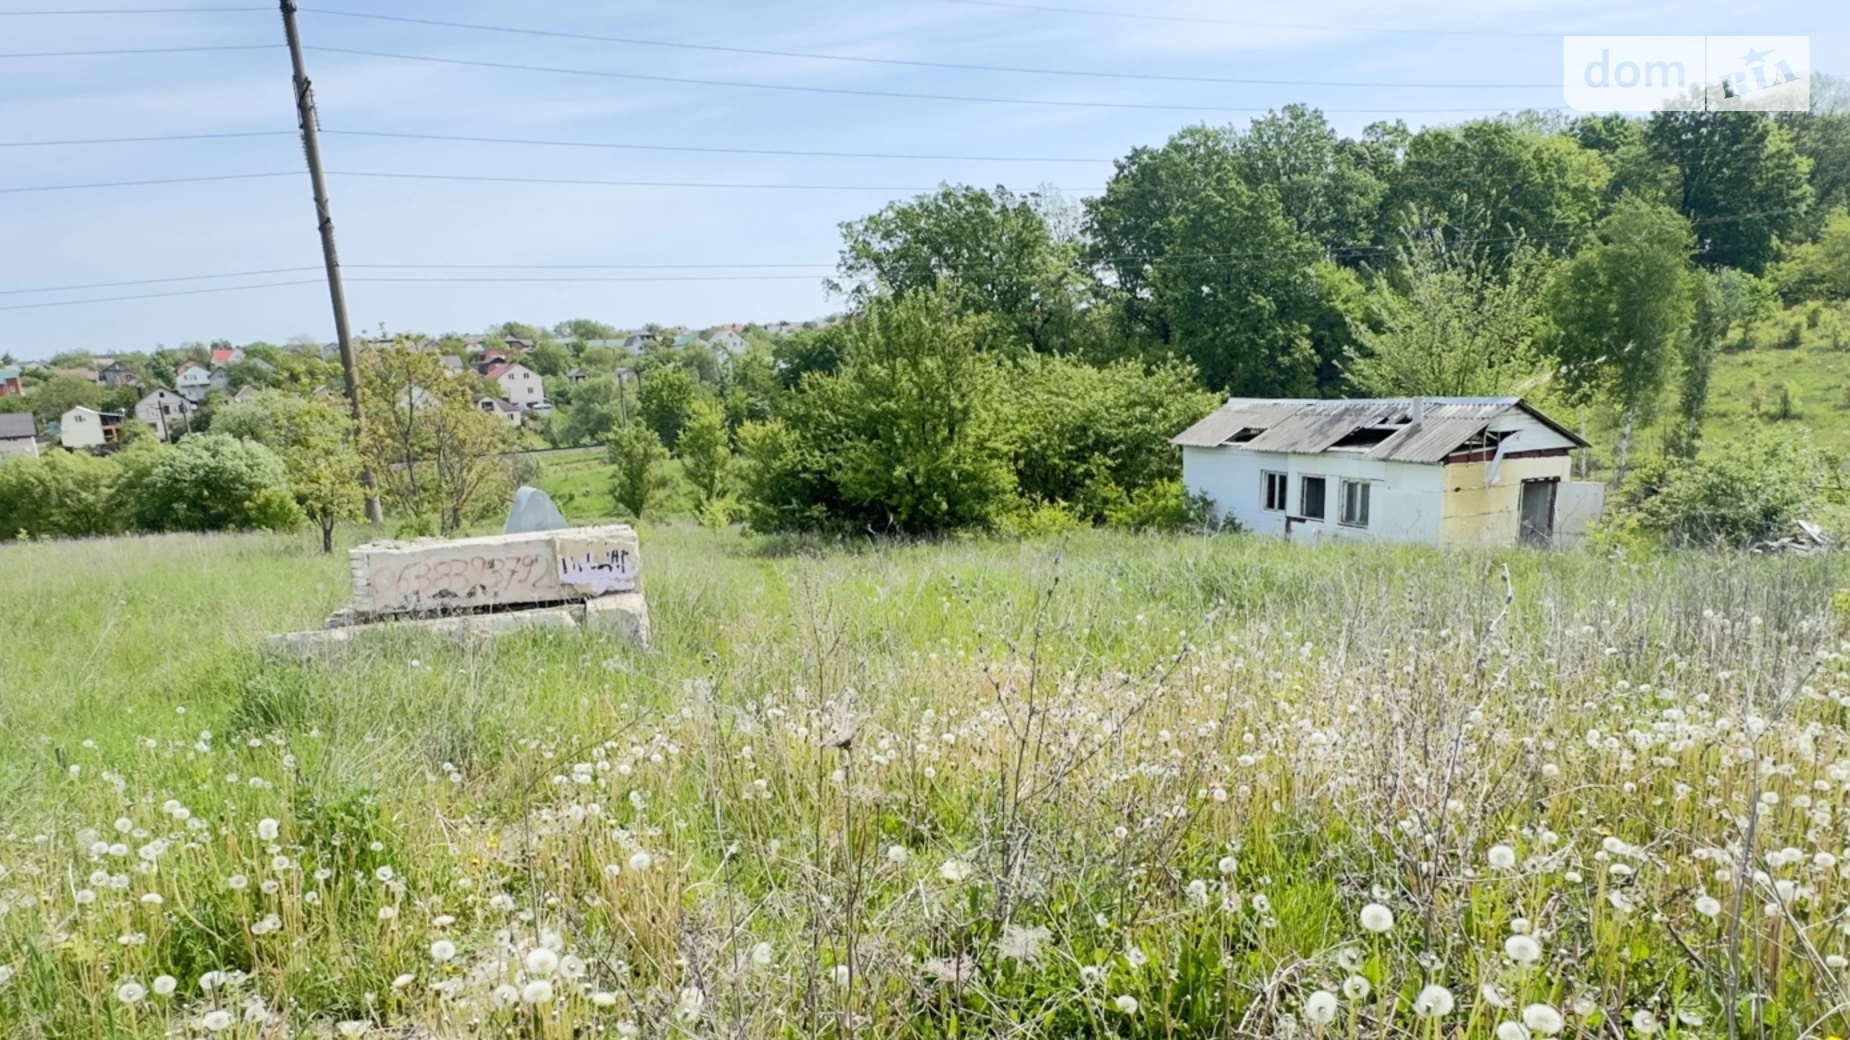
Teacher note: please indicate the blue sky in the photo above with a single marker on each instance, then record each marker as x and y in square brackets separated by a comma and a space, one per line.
[129, 234]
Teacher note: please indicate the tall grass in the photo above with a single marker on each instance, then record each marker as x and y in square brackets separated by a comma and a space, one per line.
[1108, 786]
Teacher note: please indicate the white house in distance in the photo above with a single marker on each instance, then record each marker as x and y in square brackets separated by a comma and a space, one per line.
[166, 411]
[519, 384]
[1436, 470]
[193, 381]
[501, 408]
[88, 428]
[727, 339]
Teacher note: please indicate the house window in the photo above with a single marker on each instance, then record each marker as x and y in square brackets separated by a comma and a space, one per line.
[1275, 486]
[1310, 498]
[1355, 503]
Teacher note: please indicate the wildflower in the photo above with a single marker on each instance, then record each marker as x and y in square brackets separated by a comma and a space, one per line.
[542, 961]
[896, 854]
[1543, 1019]
[442, 950]
[151, 899]
[1377, 918]
[1494, 996]
[216, 1021]
[1356, 987]
[641, 861]
[267, 829]
[539, 991]
[1502, 857]
[504, 994]
[387, 912]
[956, 871]
[1435, 1001]
[1019, 943]
[571, 968]
[355, 1027]
[164, 985]
[1126, 1003]
[1512, 1031]
[1522, 949]
[763, 954]
[404, 980]
[603, 999]
[1198, 892]
[840, 975]
[1320, 1007]
[689, 1004]
[1708, 906]
[131, 992]
[1644, 1022]
[1228, 865]
[1836, 961]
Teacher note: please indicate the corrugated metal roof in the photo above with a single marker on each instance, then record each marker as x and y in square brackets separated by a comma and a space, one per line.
[1309, 427]
[17, 424]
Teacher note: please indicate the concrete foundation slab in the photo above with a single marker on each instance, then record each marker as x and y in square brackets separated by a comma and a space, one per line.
[429, 575]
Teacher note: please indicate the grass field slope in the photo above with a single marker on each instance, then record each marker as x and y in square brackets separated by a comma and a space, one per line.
[1108, 786]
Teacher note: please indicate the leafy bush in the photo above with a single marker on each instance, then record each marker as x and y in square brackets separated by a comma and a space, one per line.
[58, 495]
[1163, 506]
[213, 482]
[1733, 496]
[638, 455]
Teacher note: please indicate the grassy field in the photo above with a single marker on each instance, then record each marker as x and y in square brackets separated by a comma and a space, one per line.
[1112, 786]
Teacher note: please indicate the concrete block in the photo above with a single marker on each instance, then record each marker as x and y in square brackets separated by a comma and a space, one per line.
[430, 575]
[322, 642]
[625, 615]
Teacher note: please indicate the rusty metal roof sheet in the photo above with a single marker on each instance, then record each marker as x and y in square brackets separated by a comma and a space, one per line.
[1314, 426]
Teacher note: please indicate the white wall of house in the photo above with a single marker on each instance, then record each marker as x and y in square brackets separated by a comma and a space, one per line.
[164, 410]
[21, 446]
[1405, 501]
[521, 386]
[194, 384]
[81, 428]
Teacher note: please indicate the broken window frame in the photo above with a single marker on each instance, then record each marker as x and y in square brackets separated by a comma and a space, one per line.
[1323, 498]
[1272, 480]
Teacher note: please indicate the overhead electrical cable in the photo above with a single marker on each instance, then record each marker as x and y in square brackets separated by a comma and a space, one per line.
[901, 62]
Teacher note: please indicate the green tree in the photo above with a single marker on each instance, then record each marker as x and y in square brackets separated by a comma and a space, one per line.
[1324, 182]
[597, 408]
[57, 394]
[1085, 436]
[994, 248]
[1819, 269]
[326, 482]
[578, 330]
[549, 359]
[211, 482]
[1740, 181]
[1622, 307]
[706, 455]
[1452, 322]
[665, 401]
[433, 452]
[1495, 182]
[637, 455]
[59, 495]
[908, 436]
[1822, 136]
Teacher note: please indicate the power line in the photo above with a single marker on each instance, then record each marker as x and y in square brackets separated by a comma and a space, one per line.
[133, 10]
[855, 59]
[1200, 20]
[798, 153]
[856, 92]
[485, 178]
[141, 50]
[146, 139]
[146, 183]
[158, 281]
[156, 296]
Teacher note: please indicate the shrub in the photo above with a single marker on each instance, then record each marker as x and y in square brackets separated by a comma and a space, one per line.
[637, 454]
[1162, 506]
[1735, 495]
[58, 495]
[213, 482]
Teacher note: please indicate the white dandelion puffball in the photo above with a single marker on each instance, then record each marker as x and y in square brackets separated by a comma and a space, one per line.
[542, 961]
[571, 967]
[1523, 949]
[1377, 918]
[840, 975]
[1644, 1022]
[1228, 865]
[164, 985]
[352, 1027]
[641, 861]
[1502, 857]
[1512, 1031]
[763, 954]
[539, 991]
[442, 950]
[896, 854]
[1435, 1001]
[267, 829]
[1320, 1007]
[1356, 987]
[1126, 1003]
[604, 999]
[1708, 906]
[216, 1021]
[237, 882]
[1543, 1019]
[956, 871]
[131, 992]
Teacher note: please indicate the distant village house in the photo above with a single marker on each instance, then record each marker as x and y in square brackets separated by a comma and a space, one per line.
[166, 411]
[19, 434]
[82, 429]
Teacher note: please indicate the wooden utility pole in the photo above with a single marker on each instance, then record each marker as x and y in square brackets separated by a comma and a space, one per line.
[311, 147]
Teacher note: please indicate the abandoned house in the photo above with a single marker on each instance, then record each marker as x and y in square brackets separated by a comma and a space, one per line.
[1436, 470]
